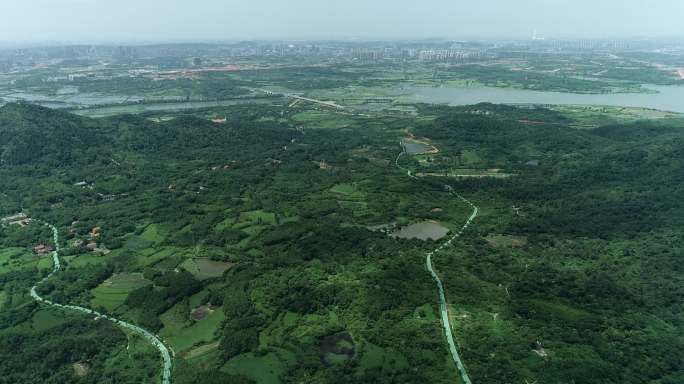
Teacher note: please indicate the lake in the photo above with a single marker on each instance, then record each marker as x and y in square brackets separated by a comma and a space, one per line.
[668, 98]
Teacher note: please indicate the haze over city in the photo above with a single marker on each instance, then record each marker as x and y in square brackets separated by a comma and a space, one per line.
[315, 191]
[215, 20]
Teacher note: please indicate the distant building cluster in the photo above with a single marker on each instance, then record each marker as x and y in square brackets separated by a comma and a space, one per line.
[423, 55]
[592, 44]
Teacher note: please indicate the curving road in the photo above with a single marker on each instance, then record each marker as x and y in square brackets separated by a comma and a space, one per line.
[154, 340]
[443, 309]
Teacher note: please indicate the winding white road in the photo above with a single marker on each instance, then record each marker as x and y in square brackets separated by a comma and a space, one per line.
[443, 309]
[151, 338]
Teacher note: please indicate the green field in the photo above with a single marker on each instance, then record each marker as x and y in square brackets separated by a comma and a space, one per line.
[184, 334]
[263, 369]
[321, 119]
[203, 268]
[113, 292]
[48, 318]
[12, 259]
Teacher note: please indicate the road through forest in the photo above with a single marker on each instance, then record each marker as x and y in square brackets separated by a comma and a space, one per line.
[154, 340]
[443, 309]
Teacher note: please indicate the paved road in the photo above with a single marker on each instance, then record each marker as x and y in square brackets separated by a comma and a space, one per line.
[443, 309]
[154, 340]
[330, 104]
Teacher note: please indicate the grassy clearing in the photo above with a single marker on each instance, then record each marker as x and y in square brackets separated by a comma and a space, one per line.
[45, 263]
[86, 259]
[182, 337]
[555, 311]
[152, 233]
[257, 217]
[470, 157]
[199, 298]
[201, 350]
[13, 259]
[251, 223]
[263, 369]
[426, 312]
[113, 292]
[225, 224]
[348, 190]
[45, 319]
[203, 268]
[322, 119]
[470, 173]
[373, 356]
[161, 257]
[351, 198]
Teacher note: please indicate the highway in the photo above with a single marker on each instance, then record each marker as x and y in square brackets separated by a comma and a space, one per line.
[151, 338]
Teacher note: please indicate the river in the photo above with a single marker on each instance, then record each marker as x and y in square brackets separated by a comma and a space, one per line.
[666, 98]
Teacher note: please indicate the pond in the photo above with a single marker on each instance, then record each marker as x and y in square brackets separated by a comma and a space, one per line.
[415, 147]
[665, 98]
[425, 230]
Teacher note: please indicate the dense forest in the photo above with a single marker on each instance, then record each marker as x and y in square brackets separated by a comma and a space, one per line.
[252, 247]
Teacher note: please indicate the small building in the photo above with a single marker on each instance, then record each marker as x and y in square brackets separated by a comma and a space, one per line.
[95, 232]
[91, 246]
[42, 249]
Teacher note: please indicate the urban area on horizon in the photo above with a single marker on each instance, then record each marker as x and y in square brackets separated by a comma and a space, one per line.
[392, 210]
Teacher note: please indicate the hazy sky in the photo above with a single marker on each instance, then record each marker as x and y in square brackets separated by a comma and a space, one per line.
[196, 20]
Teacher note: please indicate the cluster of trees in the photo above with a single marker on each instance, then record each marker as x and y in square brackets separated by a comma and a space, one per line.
[152, 300]
[47, 356]
[74, 283]
[243, 322]
[598, 213]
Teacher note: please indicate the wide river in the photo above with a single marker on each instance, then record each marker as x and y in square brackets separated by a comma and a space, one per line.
[670, 98]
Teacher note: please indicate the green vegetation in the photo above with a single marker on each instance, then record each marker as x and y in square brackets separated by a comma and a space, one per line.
[571, 272]
[113, 292]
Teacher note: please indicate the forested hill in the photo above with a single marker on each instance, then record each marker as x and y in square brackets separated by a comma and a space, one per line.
[252, 248]
[31, 133]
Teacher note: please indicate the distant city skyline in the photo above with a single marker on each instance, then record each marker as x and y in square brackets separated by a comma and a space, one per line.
[91, 21]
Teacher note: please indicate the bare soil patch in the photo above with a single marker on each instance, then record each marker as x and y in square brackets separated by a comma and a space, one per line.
[81, 369]
[502, 241]
[200, 313]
